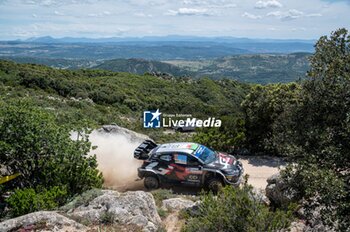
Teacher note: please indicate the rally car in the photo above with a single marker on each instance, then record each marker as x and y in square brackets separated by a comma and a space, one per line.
[186, 164]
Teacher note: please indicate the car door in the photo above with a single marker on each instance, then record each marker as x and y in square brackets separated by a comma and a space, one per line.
[194, 171]
[185, 169]
[164, 168]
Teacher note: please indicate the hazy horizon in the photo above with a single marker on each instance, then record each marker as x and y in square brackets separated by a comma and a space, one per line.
[169, 37]
[272, 19]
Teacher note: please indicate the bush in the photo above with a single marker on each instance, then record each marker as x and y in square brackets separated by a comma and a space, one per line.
[228, 137]
[32, 144]
[28, 200]
[319, 189]
[233, 209]
[107, 217]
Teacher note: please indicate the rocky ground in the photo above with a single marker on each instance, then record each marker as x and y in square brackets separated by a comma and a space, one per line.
[123, 210]
[109, 210]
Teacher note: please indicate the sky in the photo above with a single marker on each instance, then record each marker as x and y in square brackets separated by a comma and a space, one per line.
[276, 19]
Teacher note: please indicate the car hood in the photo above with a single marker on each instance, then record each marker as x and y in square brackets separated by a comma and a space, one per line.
[223, 162]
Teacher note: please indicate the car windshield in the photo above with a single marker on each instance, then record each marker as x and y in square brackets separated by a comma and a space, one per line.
[205, 154]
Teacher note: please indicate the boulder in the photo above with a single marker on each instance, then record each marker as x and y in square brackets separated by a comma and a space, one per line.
[258, 195]
[278, 192]
[297, 226]
[175, 204]
[42, 221]
[130, 208]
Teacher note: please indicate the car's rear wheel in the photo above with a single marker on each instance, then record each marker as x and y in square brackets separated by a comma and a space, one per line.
[214, 185]
[151, 182]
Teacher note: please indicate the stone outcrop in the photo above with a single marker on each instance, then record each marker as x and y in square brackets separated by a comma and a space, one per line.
[136, 208]
[278, 192]
[42, 221]
[130, 209]
[174, 204]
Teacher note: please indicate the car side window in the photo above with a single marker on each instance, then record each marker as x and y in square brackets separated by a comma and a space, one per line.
[166, 157]
[191, 161]
[180, 158]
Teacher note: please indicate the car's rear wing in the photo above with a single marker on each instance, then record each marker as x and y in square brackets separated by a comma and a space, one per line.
[142, 151]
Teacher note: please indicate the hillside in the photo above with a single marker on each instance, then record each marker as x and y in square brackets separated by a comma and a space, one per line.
[141, 66]
[104, 97]
[259, 68]
[106, 51]
[54, 62]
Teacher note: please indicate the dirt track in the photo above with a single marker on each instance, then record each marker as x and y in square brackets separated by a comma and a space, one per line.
[260, 168]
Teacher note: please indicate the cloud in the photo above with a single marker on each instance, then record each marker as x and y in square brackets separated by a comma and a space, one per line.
[102, 14]
[251, 16]
[189, 12]
[314, 15]
[268, 4]
[143, 15]
[210, 3]
[58, 13]
[50, 3]
[286, 15]
[291, 14]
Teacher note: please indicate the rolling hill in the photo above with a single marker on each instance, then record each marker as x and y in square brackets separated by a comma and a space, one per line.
[259, 68]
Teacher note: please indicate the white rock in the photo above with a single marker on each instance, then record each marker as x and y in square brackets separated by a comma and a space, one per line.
[42, 221]
[177, 204]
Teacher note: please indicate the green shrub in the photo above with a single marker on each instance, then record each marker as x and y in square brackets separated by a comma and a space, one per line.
[233, 209]
[107, 217]
[28, 200]
[162, 212]
[230, 136]
[42, 151]
[315, 187]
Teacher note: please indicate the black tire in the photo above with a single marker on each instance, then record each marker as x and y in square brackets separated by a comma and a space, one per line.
[151, 182]
[214, 185]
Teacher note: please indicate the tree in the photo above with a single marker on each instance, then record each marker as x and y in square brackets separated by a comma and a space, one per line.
[263, 108]
[231, 135]
[316, 132]
[32, 144]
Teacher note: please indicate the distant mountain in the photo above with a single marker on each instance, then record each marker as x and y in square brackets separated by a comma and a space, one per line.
[169, 38]
[107, 51]
[256, 68]
[141, 66]
[259, 68]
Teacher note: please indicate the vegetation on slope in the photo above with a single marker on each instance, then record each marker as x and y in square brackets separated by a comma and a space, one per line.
[51, 165]
[141, 66]
[256, 68]
[310, 123]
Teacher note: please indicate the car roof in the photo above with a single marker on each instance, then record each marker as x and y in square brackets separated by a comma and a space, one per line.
[183, 147]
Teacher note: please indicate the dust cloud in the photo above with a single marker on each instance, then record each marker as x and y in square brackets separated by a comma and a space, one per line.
[115, 159]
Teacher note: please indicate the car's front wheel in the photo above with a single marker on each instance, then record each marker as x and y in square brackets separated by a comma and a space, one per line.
[151, 182]
[214, 185]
